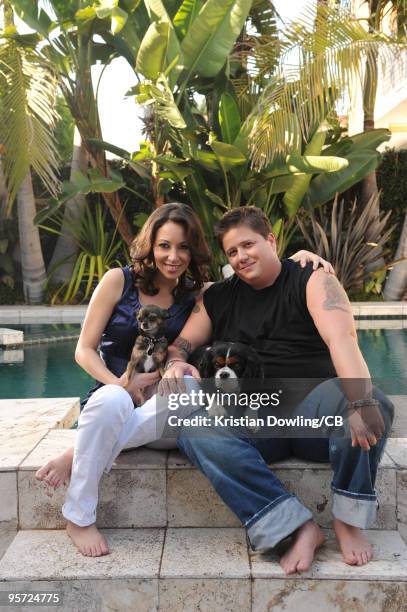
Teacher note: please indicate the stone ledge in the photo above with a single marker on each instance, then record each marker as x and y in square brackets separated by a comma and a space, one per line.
[20, 314]
[200, 569]
[24, 422]
[10, 337]
[188, 553]
[390, 561]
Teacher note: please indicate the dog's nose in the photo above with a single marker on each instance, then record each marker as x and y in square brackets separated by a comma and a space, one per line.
[224, 375]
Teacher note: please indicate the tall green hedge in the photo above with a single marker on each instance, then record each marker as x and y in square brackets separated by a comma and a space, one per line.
[392, 180]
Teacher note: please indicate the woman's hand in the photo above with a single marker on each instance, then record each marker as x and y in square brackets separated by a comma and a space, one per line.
[303, 257]
[173, 379]
[138, 382]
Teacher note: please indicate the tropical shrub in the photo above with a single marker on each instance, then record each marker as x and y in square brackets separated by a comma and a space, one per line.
[98, 252]
[340, 237]
[391, 180]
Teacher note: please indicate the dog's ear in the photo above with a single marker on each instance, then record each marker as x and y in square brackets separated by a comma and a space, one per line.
[254, 366]
[205, 366]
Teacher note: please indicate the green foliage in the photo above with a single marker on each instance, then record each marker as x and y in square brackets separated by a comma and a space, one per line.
[64, 131]
[8, 237]
[93, 182]
[332, 48]
[98, 252]
[391, 179]
[340, 237]
[27, 112]
[211, 83]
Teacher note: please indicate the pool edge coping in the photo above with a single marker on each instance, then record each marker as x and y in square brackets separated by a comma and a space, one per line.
[21, 314]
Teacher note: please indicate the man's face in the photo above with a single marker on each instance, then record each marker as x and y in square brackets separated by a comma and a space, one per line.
[250, 255]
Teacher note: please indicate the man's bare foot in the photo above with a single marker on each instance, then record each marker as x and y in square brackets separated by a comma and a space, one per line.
[57, 471]
[88, 540]
[300, 555]
[355, 548]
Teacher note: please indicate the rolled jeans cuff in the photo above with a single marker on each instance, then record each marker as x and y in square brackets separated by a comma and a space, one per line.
[281, 521]
[353, 510]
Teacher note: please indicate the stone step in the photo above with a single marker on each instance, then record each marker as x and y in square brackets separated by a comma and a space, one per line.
[23, 424]
[150, 488]
[206, 569]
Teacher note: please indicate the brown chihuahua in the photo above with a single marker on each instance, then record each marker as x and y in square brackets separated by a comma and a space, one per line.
[150, 349]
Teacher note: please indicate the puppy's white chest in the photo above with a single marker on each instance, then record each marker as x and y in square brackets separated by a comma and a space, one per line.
[149, 363]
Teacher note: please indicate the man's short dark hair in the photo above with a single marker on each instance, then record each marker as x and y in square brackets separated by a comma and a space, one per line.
[243, 215]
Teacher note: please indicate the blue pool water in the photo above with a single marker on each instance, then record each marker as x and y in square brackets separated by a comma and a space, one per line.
[49, 369]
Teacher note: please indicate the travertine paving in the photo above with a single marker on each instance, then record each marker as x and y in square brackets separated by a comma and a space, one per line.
[175, 546]
[201, 569]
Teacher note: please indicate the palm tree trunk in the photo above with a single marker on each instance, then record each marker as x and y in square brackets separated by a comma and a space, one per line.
[369, 183]
[32, 261]
[66, 248]
[396, 284]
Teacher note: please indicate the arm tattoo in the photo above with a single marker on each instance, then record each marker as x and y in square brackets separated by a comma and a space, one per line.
[196, 308]
[183, 345]
[336, 298]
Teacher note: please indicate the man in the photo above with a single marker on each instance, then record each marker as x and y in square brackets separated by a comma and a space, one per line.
[300, 322]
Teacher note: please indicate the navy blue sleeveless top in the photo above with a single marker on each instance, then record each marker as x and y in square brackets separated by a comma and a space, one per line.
[122, 328]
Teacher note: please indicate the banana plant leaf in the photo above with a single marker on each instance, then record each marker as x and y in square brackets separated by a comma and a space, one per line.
[294, 195]
[365, 140]
[95, 182]
[229, 118]
[309, 164]
[216, 199]
[107, 146]
[106, 9]
[185, 16]
[178, 169]
[207, 160]
[324, 187]
[127, 42]
[212, 35]
[151, 58]
[227, 155]
[33, 16]
[278, 184]
[158, 13]
[160, 94]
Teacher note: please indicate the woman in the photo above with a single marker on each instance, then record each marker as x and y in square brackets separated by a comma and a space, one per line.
[170, 260]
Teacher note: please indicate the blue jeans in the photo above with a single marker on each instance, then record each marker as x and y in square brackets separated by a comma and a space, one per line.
[235, 462]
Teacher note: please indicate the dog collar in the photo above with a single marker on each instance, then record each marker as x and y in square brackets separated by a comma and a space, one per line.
[152, 342]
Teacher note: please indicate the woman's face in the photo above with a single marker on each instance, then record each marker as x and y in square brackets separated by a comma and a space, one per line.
[171, 251]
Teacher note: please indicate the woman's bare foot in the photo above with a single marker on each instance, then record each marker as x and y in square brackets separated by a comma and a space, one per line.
[300, 555]
[88, 540]
[355, 548]
[57, 471]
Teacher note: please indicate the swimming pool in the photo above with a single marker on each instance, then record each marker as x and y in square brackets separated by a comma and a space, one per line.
[48, 368]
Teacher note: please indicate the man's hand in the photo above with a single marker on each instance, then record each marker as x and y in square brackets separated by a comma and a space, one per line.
[173, 379]
[366, 426]
[138, 382]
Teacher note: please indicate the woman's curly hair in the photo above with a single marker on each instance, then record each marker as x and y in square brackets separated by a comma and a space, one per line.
[141, 250]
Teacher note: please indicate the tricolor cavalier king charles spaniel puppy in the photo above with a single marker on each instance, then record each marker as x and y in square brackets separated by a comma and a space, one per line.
[227, 367]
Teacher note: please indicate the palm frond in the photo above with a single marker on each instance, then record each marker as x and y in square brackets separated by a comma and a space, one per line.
[323, 54]
[28, 94]
[263, 16]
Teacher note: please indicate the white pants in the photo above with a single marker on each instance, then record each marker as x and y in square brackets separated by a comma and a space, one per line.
[108, 424]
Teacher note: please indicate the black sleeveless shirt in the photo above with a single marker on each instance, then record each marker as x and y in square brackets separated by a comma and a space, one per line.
[275, 321]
